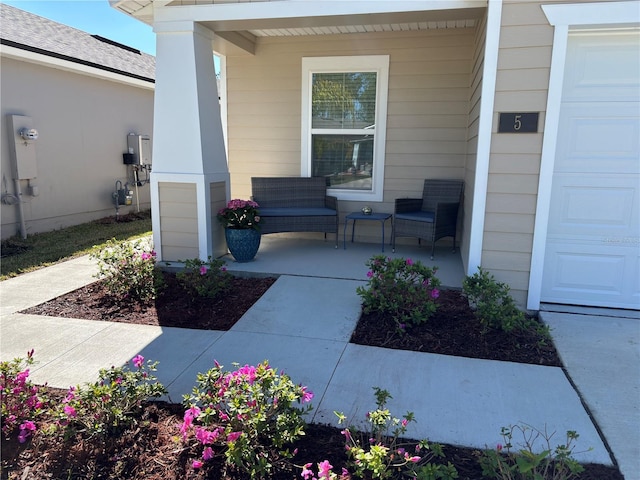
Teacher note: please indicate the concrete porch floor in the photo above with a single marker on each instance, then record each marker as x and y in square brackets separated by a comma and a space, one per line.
[279, 255]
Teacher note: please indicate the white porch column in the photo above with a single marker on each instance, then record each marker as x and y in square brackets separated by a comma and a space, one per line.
[190, 177]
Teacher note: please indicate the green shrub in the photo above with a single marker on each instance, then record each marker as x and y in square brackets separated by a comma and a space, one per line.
[204, 279]
[404, 289]
[527, 463]
[129, 270]
[492, 302]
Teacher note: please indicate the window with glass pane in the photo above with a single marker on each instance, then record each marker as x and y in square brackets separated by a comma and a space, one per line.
[343, 110]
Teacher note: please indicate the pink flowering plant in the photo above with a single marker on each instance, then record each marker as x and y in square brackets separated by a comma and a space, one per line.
[249, 416]
[380, 452]
[404, 289]
[128, 270]
[22, 401]
[113, 403]
[241, 214]
[205, 279]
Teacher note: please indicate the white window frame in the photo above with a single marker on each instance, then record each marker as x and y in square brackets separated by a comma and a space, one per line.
[364, 63]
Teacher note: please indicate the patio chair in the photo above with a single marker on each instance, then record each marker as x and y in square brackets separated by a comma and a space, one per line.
[432, 217]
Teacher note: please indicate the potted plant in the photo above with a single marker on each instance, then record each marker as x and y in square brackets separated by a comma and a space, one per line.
[241, 222]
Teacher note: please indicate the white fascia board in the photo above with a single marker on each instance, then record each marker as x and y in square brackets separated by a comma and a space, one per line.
[602, 13]
[66, 65]
[230, 12]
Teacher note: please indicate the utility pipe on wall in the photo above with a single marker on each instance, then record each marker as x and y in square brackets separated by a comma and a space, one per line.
[23, 226]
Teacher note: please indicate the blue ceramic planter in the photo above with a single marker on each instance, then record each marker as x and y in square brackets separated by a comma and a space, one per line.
[243, 243]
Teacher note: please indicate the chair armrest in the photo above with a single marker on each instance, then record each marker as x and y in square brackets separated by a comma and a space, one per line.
[405, 205]
[331, 202]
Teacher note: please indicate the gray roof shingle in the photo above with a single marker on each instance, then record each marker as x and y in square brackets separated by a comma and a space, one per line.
[37, 34]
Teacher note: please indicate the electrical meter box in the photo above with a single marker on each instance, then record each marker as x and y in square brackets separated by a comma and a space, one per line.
[140, 147]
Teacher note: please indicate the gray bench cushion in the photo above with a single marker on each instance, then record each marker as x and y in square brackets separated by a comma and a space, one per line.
[295, 212]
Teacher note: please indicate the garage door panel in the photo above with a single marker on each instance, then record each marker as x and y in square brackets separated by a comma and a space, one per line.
[602, 138]
[599, 62]
[594, 205]
[589, 278]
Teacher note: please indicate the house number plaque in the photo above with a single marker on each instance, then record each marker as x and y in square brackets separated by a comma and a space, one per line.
[518, 122]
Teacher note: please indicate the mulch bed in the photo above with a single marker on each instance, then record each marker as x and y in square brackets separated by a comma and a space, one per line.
[150, 451]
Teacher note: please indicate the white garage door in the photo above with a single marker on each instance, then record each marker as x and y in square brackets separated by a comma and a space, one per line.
[593, 244]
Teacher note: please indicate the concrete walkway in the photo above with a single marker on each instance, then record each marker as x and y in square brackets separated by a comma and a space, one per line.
[302, 326]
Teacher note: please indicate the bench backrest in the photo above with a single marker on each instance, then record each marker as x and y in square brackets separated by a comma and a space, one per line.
[276, 192]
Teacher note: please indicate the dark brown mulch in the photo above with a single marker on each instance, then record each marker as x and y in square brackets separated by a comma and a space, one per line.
[173, 307]
[150, 451]
[454, 330]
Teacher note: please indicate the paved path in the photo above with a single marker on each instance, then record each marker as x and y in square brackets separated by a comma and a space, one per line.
[302, 326]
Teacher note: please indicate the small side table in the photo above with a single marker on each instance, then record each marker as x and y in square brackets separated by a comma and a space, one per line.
[354, 216]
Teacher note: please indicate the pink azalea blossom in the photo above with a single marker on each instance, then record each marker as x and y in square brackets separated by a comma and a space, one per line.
[409, 262]
[138, 361]
[324, 469]
[70, 411]
[207, 454]
[203, 270]
[25, 430]
[197, 464]
[435, 293]
[307, 395]
[306, 473]
[233, 436]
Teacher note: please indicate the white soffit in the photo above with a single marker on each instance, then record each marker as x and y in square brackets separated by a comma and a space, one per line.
[385, 27]
[274, 18]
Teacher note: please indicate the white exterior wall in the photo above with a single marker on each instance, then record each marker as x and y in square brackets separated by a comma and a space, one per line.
[83, 124]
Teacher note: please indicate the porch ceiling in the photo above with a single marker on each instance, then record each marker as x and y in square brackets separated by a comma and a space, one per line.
[239, 23]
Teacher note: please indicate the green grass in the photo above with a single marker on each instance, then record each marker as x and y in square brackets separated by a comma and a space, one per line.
[43, 249]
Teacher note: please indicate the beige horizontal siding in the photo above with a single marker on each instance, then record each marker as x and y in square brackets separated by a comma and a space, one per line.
[508, 261]
[510, 242]
[525, 58]
[427, 111]
[178, 220]
[531, 101]
[517, 143]
[514, 184]
[508, 223]
[511, 203]
[523, 80]
[514, 163]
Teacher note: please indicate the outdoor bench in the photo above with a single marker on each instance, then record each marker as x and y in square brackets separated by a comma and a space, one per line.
[295, 204]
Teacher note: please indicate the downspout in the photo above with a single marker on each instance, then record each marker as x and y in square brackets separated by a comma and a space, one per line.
[485, 126]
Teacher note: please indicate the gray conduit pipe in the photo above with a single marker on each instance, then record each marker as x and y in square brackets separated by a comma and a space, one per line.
[23, 227]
